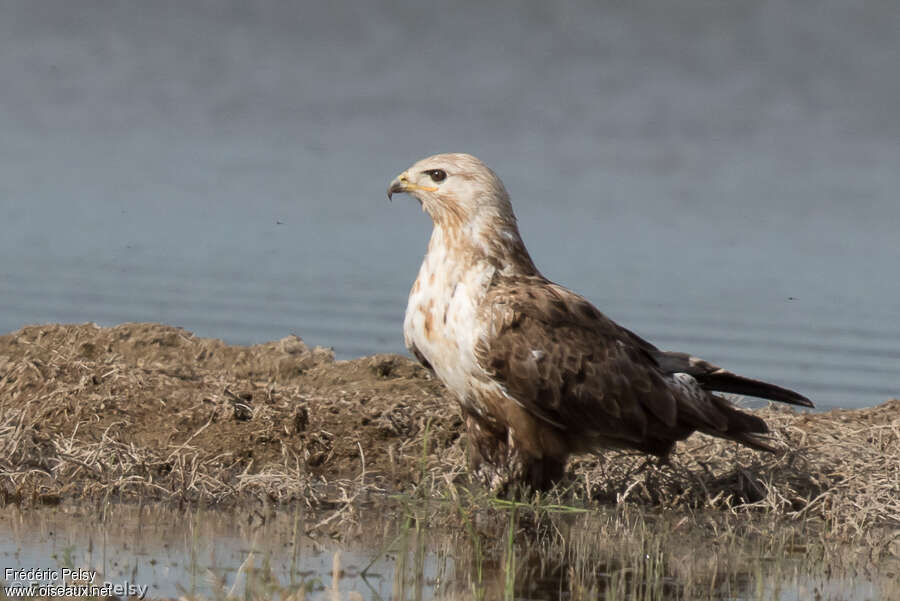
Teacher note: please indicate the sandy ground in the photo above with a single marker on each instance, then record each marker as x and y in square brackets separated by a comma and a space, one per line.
[152, 412]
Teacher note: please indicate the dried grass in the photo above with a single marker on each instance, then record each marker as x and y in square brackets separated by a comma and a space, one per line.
[842, 467]
[150, 412]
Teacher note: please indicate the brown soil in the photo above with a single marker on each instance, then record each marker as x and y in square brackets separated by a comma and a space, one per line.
[152, 412]
[150, 409]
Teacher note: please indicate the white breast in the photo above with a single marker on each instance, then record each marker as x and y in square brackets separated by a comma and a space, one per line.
[441, 316]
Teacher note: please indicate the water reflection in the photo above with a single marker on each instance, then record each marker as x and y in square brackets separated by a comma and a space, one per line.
[432, 550]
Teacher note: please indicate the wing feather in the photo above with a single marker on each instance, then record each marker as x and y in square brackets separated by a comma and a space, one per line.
[570, 365]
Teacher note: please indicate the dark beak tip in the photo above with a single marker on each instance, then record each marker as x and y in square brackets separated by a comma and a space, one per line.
[394, 188]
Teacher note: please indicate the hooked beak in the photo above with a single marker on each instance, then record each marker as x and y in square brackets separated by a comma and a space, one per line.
[402, 184]
[398, 186]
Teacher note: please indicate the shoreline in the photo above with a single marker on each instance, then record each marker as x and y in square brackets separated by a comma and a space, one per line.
[152, 413]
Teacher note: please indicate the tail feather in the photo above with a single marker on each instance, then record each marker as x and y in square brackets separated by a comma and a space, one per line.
[741, 427]
[725, 381]
[753, 441]
[714, 378]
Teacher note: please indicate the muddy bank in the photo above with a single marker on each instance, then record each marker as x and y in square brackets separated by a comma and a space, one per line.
[150, 411]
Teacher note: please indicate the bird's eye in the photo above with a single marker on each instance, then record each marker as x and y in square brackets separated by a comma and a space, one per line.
[436, 175]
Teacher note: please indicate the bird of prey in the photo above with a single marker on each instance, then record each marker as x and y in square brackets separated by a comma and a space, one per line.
[538, 371]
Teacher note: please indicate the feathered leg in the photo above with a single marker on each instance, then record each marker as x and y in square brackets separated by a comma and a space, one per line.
[503, 467]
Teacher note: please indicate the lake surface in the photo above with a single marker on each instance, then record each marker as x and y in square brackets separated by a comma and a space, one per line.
[723, 179]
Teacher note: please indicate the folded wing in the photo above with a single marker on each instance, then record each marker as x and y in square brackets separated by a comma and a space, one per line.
[556, 355]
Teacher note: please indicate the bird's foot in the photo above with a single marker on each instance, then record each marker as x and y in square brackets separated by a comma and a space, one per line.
[519, 475]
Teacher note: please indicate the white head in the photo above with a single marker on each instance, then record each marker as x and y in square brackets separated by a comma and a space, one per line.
[469, 206]
[456, 190]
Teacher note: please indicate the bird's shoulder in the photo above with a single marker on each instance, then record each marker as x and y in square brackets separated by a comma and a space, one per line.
[510, 300]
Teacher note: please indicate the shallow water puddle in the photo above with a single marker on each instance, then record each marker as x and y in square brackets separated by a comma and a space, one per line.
[412, 553]
[204, 555]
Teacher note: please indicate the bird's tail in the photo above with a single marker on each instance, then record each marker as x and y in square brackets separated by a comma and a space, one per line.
[715, 416]
[714, 378]
[741, 427]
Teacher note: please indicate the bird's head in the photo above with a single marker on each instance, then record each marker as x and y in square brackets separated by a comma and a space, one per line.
[470, 209]
[455, 189]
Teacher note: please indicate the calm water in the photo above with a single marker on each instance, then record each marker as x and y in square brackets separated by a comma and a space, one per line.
[721, 178]
[211, 555]
[201, 555]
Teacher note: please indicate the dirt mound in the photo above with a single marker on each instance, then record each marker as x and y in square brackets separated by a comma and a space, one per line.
[151, 411]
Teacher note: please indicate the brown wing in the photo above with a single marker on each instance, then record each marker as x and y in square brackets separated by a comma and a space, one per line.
[566, 362]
